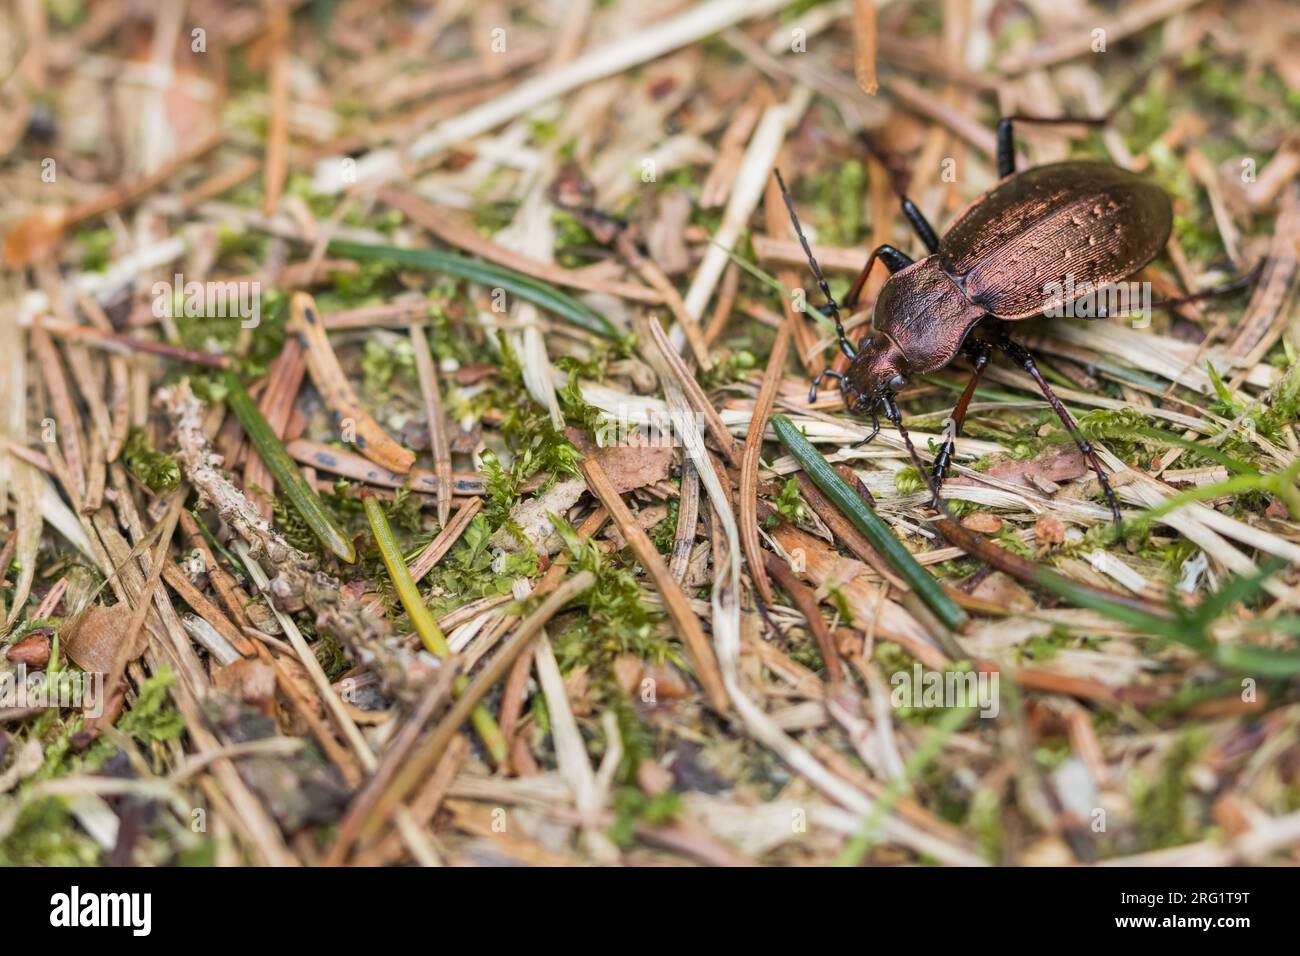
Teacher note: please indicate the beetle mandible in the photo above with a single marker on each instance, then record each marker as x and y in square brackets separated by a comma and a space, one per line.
[1090, 222]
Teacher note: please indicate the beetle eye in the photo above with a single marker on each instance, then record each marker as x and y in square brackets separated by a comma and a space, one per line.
[897, 382]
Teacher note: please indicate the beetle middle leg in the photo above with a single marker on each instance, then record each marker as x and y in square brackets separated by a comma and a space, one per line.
[1020, 355]
[817, 380]
[893, 260]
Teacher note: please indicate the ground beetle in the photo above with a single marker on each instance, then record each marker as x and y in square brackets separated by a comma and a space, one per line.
[1091, 222]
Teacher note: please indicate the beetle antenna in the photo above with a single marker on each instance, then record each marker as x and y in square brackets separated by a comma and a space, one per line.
[845, 345]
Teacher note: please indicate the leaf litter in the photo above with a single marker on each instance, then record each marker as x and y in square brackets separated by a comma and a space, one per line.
[507, 495]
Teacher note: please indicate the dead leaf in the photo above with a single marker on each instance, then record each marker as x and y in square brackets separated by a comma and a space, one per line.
[95, 641]
[27, 761]
[532, 519]
[1059, 464]
[983, 522]
[250, 681]
[34, 651]
[666, 682]
[629, 466]
[577, 686]
[627, 672]
[1049, 530]
[1001, 590]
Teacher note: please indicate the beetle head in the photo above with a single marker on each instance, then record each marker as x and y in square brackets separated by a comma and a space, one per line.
[877, 370]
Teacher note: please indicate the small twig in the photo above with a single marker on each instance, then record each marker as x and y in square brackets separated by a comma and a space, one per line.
[748, 490]
[336, 390]
[806, 602]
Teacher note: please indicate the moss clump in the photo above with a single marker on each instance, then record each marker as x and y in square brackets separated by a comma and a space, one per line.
[154, 468]
[1162, 802]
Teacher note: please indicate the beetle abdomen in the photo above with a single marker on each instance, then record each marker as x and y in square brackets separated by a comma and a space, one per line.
[1074, 223]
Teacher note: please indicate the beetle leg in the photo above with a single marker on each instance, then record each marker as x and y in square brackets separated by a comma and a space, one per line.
[1007, 140]
[875, 430]
[896, 419]
[824, 373]
[979, 357]
[893, 260]
[1021, 357]
[1241, 282]
[921, 225]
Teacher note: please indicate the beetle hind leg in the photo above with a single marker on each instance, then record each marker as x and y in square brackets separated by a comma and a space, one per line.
[1020, 355]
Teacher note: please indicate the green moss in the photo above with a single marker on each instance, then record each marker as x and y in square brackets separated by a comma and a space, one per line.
[45, 834]
[381, 362]
[154, 468]
[789, 504]
[664, 534]
[631, 806]
[1162, 801]
[616, 619]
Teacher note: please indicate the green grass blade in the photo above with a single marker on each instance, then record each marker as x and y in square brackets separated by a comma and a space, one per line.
[868, 522]
[425, 624]
[487, 274]
[285, 472]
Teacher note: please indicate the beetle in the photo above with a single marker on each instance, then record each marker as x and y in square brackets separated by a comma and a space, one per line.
[1090, 223]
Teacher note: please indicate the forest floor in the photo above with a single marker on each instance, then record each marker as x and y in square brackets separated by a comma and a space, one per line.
[391, 468]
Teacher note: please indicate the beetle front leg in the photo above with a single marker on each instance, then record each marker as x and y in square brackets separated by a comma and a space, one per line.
[875, 430]
[978, 352]
[1021, 357]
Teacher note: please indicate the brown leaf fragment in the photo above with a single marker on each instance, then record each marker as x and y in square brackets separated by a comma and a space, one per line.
[627, 672]
[94, 642]
[662, 682]
[34, 651]
[983, 522]
[1058, 464]
[1049, 530]
[629, 466]
[1000, 589]
[250, 681]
